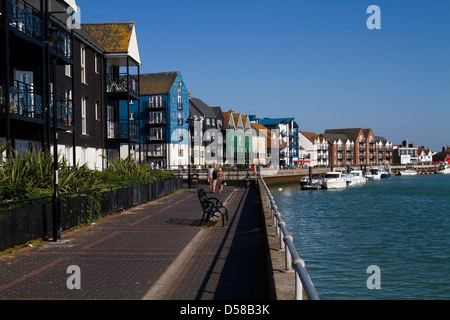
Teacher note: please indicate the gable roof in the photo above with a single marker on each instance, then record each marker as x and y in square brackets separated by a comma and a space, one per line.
[202, 107]
[115, 38]
[331, 137]
[157, 83]
[311, 136]
[349, 133]
[228, 118]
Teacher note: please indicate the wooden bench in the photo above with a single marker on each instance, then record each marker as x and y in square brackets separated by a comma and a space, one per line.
[212, 207]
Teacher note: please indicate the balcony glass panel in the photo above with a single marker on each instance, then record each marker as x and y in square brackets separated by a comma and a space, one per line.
[119, 83]
[26, 100]
[25, 18]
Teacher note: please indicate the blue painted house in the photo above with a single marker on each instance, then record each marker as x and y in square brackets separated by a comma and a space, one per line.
[164, 102]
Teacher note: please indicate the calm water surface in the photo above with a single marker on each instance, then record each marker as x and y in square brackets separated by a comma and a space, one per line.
[401, 225]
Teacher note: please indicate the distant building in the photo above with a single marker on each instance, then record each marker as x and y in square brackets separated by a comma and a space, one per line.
[206, 138]
[357, 146]
[425, 156]
[288, 133]
[443, 156]
[165, 105]
[406, 153]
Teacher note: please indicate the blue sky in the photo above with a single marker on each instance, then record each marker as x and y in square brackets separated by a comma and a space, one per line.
[314, 60]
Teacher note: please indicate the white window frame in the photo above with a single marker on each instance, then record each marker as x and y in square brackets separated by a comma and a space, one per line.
[83, 115]
[83, 64]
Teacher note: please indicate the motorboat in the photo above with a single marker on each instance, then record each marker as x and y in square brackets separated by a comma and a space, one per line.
[385, 173]
[443, 169]
[409, 171]
[307, 185]
[375, 174]
[334, 180]
[355, 177]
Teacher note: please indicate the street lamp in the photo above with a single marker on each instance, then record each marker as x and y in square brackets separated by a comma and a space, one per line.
[52, 38]
[189, 122]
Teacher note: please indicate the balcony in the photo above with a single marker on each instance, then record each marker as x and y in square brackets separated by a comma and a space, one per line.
[118, 83]
[63, 112]
[25, 18]
[118, 130]
[25, 100]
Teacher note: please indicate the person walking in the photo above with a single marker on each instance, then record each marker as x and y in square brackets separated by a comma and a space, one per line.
[212, 179]
[220, 179]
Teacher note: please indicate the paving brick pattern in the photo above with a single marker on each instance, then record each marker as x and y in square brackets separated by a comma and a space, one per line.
[151, 252]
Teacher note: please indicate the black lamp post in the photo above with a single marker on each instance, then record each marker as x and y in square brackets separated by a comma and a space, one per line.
[189, 122]
[52, 38]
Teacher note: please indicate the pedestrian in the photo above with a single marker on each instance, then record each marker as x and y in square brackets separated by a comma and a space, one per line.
[220, 179]
[211, 180]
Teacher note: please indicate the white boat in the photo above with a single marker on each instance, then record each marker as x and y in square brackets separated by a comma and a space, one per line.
[334, 180]
[375, 174]
[408, 172]
[355, 177]
[443, 169]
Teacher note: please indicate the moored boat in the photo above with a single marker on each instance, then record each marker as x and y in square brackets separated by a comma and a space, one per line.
[355, 177]
[443, 169]
[334, 180]
[409, 171]
[308, 185]
[375, 174]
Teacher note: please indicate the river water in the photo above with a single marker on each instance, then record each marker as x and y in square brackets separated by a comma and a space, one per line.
[399, 225]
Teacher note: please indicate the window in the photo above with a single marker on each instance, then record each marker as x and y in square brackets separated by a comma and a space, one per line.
[83, 64]
[97, 114]
[96, 63]
[180, 104]
[156, 134]
[83, 116]
[68, 70]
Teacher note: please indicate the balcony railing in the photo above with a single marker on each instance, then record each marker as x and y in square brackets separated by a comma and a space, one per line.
[25, 18]
[119, 130]
[119, 83]
[63, 112]
[26, 100]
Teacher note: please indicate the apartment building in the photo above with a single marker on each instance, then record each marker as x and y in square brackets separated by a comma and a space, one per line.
[165, 112]
[357, 146]
[61, 84]
[289, 146]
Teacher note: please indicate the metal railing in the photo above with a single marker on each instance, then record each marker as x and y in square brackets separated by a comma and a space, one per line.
[292, 258]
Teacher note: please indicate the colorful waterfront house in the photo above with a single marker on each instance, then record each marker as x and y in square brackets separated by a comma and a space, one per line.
[121, 67]
[237, 139]
[206, 138]
[288, 130]
[165, 112]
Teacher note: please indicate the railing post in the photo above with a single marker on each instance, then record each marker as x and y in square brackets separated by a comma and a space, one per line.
[298, 282]
[288, 256]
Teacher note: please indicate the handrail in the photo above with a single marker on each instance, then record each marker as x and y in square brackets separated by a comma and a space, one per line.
[293, 260]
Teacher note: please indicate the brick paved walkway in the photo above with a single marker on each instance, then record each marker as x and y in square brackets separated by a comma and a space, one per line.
[154, 251]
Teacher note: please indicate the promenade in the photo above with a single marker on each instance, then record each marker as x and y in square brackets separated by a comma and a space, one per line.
[155, 251]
